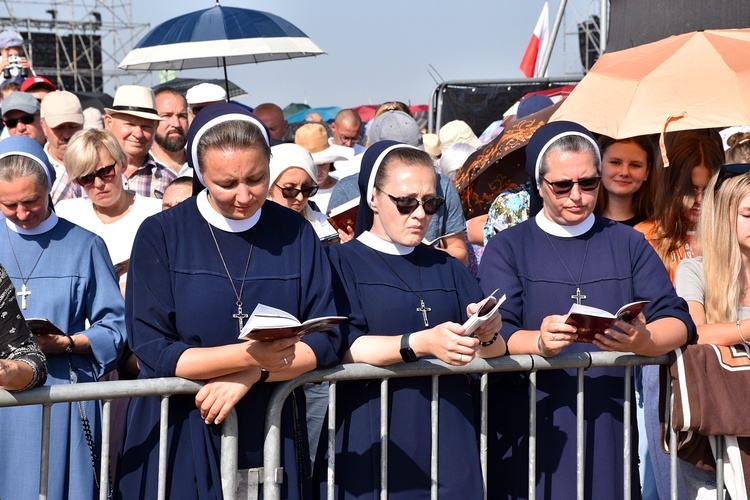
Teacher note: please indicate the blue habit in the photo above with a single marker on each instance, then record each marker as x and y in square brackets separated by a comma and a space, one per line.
[179, 296]
[378, 302]
[73, 283]
[620, 267]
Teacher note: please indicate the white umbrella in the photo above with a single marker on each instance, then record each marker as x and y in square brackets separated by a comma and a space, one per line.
[219, 37]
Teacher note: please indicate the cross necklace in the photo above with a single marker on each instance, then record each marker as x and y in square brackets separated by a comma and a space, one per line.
[25, 292]
[577, 297]
[240, 316]
[422, 306]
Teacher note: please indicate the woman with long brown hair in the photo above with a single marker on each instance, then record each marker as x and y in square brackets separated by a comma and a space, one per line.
[679, 194]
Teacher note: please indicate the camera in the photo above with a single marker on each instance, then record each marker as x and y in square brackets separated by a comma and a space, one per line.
[13, 69]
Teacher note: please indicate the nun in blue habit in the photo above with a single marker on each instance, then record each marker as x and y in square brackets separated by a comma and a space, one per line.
[566, 254]
[196, 272]
[404, 301]
[63, 273]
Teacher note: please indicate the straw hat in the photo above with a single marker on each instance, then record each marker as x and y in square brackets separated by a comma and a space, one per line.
[314, 138]
[136, 101]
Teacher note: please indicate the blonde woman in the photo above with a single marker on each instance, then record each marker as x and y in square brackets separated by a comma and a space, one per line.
[95, 161]
[715, 285]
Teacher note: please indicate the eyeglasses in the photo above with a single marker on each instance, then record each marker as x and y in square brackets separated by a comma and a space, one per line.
[564, 187]
[106, 174]
[292, 192]
[408, 204]
[729, 171]
[195, 109]
[25, 119]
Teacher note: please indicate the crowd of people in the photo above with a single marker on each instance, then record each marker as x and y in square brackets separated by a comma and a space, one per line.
[141, 237]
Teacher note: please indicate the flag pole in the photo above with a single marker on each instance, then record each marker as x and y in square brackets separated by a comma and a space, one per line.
[553, 36]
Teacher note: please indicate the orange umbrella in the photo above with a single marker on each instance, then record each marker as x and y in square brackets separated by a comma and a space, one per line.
[690, 81]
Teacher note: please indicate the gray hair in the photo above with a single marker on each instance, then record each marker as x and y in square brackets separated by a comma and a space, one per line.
[572, 143]
[14, 167]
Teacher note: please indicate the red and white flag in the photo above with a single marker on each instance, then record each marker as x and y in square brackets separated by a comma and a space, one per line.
[532, 58]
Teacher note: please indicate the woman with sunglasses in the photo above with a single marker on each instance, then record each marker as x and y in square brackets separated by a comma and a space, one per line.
[94, 160]
[405, 301]
[293, 174]
[63, 273]
[563, 255]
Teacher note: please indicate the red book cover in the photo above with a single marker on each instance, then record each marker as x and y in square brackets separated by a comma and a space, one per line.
[344, 215]
[589, 320]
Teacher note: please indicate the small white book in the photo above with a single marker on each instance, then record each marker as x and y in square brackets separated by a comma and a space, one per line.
[487, 308]
[267, 323]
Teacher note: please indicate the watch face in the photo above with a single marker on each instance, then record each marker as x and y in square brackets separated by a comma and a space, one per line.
[408, 355]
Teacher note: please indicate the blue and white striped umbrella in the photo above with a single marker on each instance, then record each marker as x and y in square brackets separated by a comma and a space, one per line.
[216, 37]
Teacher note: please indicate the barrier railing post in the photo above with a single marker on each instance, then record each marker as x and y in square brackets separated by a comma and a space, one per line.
[580, 441]
[483, 388]
[229, 456]
[626, 437]
[331, 480]
[163, 447]
[44, 466]
[384, 439]
[532, 434]
[434, 426]
[104, 463]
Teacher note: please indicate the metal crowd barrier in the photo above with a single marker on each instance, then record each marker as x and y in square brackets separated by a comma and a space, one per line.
[235, 482]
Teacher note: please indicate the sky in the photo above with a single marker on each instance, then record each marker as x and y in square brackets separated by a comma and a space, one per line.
[376, 51]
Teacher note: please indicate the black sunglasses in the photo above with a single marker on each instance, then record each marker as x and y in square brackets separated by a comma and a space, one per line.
[25, 119]
[106, 174]
[408, 204]
[564, 187]
[729, 171]
[292, 192]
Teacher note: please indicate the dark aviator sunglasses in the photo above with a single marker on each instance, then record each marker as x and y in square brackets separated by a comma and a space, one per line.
[106, 174]
[564, 187]
[25, 119]
[408, 204]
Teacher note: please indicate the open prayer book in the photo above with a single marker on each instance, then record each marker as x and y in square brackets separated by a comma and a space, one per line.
[344, 215]
[591, 320]
[487, 308]
[41, 326]
[267, 323]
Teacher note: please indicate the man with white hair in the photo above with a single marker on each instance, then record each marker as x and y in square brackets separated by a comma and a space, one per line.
[132, 119]
[62, 117]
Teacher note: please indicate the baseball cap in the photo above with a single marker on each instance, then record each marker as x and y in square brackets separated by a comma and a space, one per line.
[61, 107]
[205, 92]
[395, 126]
[20, 101]
[10, 38]
[37, 80]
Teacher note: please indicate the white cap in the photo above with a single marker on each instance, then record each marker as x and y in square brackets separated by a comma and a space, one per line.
[205, 92]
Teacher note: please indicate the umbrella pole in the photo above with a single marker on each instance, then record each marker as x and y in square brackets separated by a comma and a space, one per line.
[226, 79]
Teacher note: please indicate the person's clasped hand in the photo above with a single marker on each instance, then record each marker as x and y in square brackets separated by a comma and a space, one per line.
[555, 334]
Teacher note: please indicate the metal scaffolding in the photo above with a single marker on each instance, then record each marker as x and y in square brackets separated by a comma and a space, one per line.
[78, 43]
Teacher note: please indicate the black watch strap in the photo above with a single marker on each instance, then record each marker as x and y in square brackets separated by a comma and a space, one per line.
[407, 354]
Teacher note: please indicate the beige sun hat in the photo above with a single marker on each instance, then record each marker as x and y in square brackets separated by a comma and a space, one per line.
[134, 100]
[314, 138]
